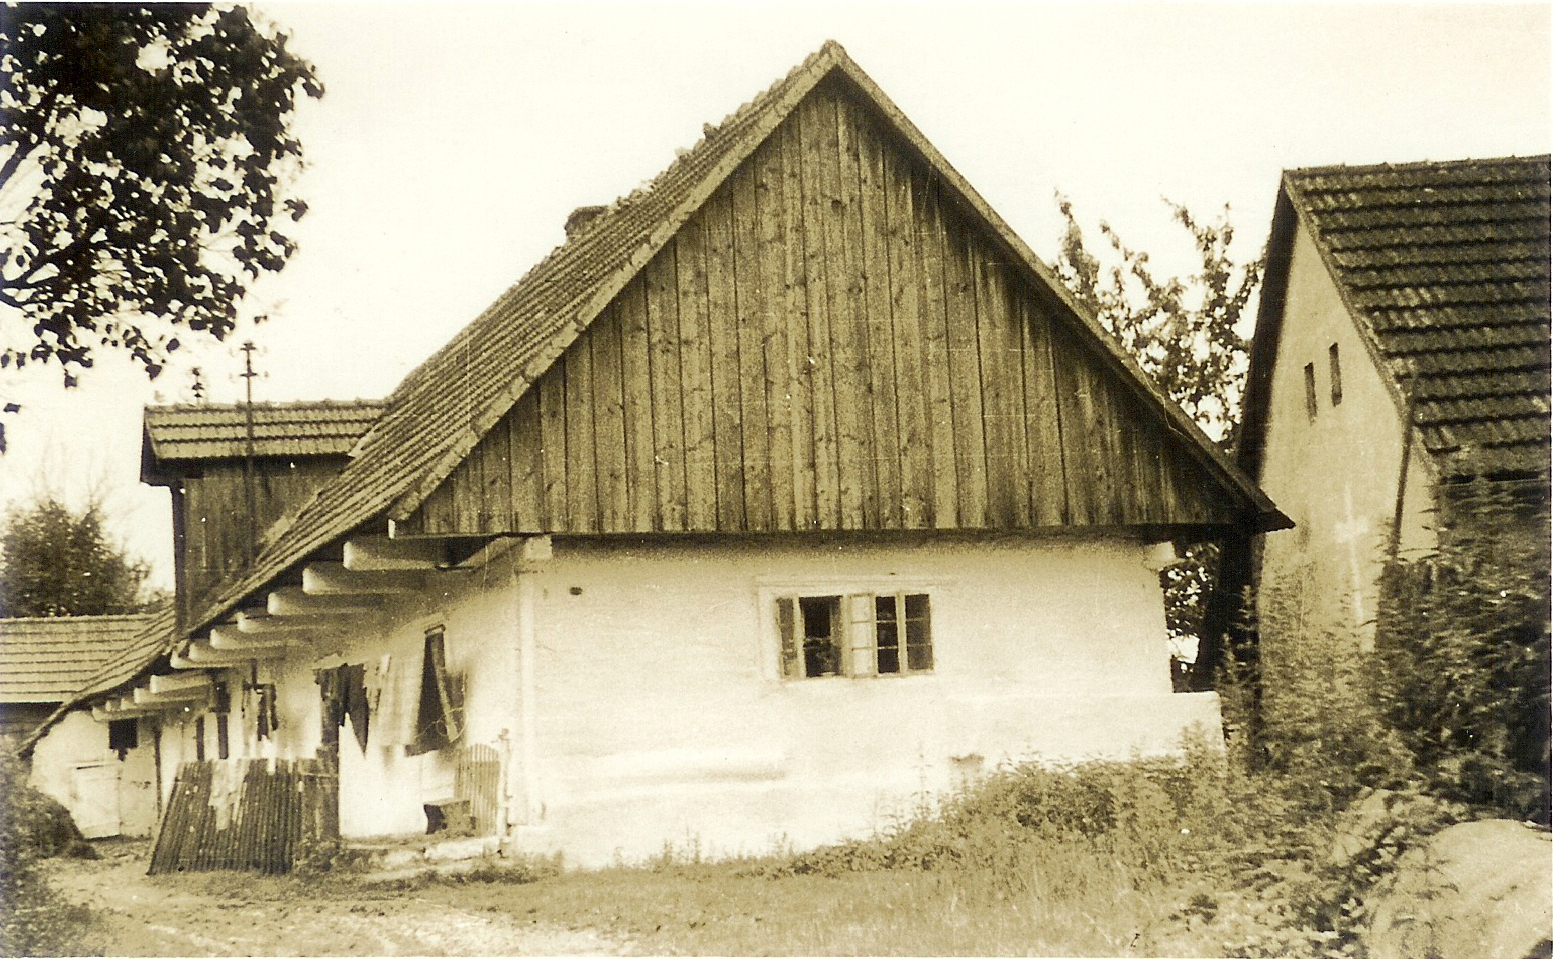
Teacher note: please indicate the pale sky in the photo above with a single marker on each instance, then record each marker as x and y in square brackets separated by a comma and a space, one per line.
[455, 138]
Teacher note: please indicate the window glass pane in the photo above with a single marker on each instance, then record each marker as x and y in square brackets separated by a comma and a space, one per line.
[821, 644]
[887, 626]
[919, 643]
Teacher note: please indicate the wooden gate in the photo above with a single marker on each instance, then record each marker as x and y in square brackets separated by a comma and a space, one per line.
[253, 814]
[477, 780]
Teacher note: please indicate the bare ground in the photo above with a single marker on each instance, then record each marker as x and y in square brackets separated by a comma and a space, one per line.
[227, 914]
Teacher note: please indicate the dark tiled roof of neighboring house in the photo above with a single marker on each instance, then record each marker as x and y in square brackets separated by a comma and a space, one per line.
[144, 638]
[443, 408]
[1446, 268]
[47, 660]
[218, 431]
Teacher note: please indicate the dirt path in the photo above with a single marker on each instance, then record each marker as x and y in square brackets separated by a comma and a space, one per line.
[225, 914]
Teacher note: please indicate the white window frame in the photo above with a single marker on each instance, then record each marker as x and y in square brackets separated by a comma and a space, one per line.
[857, 637]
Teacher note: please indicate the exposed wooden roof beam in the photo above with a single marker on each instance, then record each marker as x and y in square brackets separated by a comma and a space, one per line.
[201, 655]
[234, 639]
[335, 579]
[170, 685]
[379, 553]
[292, 601]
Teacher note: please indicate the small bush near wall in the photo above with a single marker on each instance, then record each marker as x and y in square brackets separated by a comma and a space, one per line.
[1462, 651]
[34, 920]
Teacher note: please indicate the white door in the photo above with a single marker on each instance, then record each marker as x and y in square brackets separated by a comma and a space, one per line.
[94, 791]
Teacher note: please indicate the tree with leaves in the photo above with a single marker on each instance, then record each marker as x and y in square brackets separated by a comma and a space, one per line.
[55, 561]
[1184, 333]
[145, 162]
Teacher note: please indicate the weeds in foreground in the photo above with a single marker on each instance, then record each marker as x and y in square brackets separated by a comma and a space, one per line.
[34, 919]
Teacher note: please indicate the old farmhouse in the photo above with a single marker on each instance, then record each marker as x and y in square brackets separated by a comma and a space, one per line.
[788, 488]
[1401, 349]
[103, 773]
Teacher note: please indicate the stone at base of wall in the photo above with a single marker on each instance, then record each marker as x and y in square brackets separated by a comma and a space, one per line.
[1478, 890]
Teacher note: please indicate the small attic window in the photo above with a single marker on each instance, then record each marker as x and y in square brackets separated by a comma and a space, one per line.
[1336, 369]
[123, 735]
[1310, 391]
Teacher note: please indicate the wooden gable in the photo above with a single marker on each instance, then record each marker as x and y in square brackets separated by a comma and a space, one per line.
[834, 340]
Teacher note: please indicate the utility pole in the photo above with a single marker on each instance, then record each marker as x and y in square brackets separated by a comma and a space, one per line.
[250, 494]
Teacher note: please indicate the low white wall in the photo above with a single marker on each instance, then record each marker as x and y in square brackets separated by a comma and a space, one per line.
[73, 764]
[661, 716]
[657, 714]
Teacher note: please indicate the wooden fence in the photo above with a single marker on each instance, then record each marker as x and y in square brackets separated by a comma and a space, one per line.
[254, 814]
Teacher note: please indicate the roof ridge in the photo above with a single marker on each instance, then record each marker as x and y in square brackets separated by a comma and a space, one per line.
[1419, 164]
[277, 405]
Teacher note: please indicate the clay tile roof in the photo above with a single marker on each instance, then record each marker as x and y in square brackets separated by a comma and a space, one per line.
[217, 431]
[1446, 267]
[444, 406]
[48, 660]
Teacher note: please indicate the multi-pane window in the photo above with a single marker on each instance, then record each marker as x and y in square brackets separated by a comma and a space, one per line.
[855, 634]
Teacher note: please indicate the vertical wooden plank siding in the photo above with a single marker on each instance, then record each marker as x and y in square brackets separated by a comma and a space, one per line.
[668, 420]
[1048, 488]
[911, 396]
[935, 341]
[552, 413]
[821, 385]
[828, 342]
[846, 318]
[497, 498]
[750, 304]
[636, 409]
[965, 376]
[852, 352]
[609, 441]
[795, 312]
[879, 326]
[996, 390]
[581, 465]
[722, 310]
[527, 472]
[695, 350]
[1080, 445]
[770, 199]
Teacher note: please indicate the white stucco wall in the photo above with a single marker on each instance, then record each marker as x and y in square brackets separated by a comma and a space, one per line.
[1336, 475]
[73, 763]
[656, 713]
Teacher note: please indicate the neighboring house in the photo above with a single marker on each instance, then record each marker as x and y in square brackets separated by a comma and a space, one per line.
[788, 489]
[104, 774]
[1401, 348]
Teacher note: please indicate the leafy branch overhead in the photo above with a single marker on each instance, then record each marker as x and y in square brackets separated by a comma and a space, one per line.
[145, 162]
[1183, 332]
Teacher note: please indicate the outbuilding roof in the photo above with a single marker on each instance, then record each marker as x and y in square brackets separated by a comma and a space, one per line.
[49, 660]
[444, 407]
[217, 431]
[1444, 267]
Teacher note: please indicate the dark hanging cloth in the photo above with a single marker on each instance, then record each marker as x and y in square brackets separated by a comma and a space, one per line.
[354, 680]
[345, 696]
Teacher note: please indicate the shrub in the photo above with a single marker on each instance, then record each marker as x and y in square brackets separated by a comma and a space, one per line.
[1462, 649]
[34, 919]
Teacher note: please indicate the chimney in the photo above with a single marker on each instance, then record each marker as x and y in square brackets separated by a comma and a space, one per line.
[580, 218]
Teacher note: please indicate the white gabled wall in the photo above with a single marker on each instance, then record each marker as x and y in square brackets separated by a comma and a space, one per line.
[1336, 475]
[106, 795]
[658, 715]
